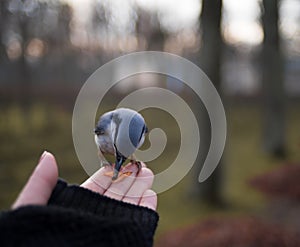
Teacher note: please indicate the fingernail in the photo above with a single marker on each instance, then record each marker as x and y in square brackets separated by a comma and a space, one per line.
[43, 156]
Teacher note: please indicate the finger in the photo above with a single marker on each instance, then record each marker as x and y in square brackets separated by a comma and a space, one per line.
[40, 184]
[117, 190]
[149, 200]
[142, 183]
[99, 182]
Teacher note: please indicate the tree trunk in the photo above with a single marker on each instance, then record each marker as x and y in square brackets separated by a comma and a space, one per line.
[273, 83]
[25, 80]
[210, 62]
[3, 17]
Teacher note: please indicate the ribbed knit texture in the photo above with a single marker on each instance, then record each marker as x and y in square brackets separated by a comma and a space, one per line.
[78, 217]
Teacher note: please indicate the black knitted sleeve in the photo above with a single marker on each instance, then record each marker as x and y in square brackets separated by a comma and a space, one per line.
[76, 216]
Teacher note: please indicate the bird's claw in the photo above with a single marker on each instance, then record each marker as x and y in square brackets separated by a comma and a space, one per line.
[125, 171]
[138, 164]
[119, 178]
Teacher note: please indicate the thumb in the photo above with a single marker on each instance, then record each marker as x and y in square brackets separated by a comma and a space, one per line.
[40, 184]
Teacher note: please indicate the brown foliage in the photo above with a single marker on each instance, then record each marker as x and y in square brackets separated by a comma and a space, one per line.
[245, 232]
[282, 183]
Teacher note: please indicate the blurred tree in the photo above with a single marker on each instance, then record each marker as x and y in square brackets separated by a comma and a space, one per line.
[210, 53]
[53, 25]
[148, 28]
[273, 82]
[34, 31]
[24, 10]
[65, 14]
[3, 21]
[99, 24]
[210, 62]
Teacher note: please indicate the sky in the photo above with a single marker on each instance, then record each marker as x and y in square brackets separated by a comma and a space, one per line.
[240, 18]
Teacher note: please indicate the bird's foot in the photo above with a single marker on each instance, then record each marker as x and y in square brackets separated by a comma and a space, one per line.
[138, 164]
[124, 172]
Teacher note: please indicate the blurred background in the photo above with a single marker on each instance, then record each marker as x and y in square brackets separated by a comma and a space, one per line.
[249, 49]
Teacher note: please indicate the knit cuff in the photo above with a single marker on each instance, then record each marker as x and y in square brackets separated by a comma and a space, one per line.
[84, 200]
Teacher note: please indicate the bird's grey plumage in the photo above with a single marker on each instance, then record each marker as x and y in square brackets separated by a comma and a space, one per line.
[102, 131]
[120, 133]
[103, 122]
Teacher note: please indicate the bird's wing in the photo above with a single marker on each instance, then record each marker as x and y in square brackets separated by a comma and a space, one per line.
[136, 130]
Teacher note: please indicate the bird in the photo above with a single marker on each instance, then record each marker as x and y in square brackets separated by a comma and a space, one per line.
[120, 133]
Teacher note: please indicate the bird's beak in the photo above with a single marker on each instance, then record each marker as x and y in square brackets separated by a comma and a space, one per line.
[120, 159]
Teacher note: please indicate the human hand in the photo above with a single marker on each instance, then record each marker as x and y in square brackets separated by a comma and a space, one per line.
[39, 186]
[133, 189]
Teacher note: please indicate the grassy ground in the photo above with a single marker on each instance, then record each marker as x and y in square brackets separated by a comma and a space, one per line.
[25, 136]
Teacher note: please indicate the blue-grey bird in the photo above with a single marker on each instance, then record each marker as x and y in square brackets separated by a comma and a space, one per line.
[120, 133]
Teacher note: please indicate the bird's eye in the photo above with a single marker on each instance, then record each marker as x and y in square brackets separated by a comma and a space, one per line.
[99, 131]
